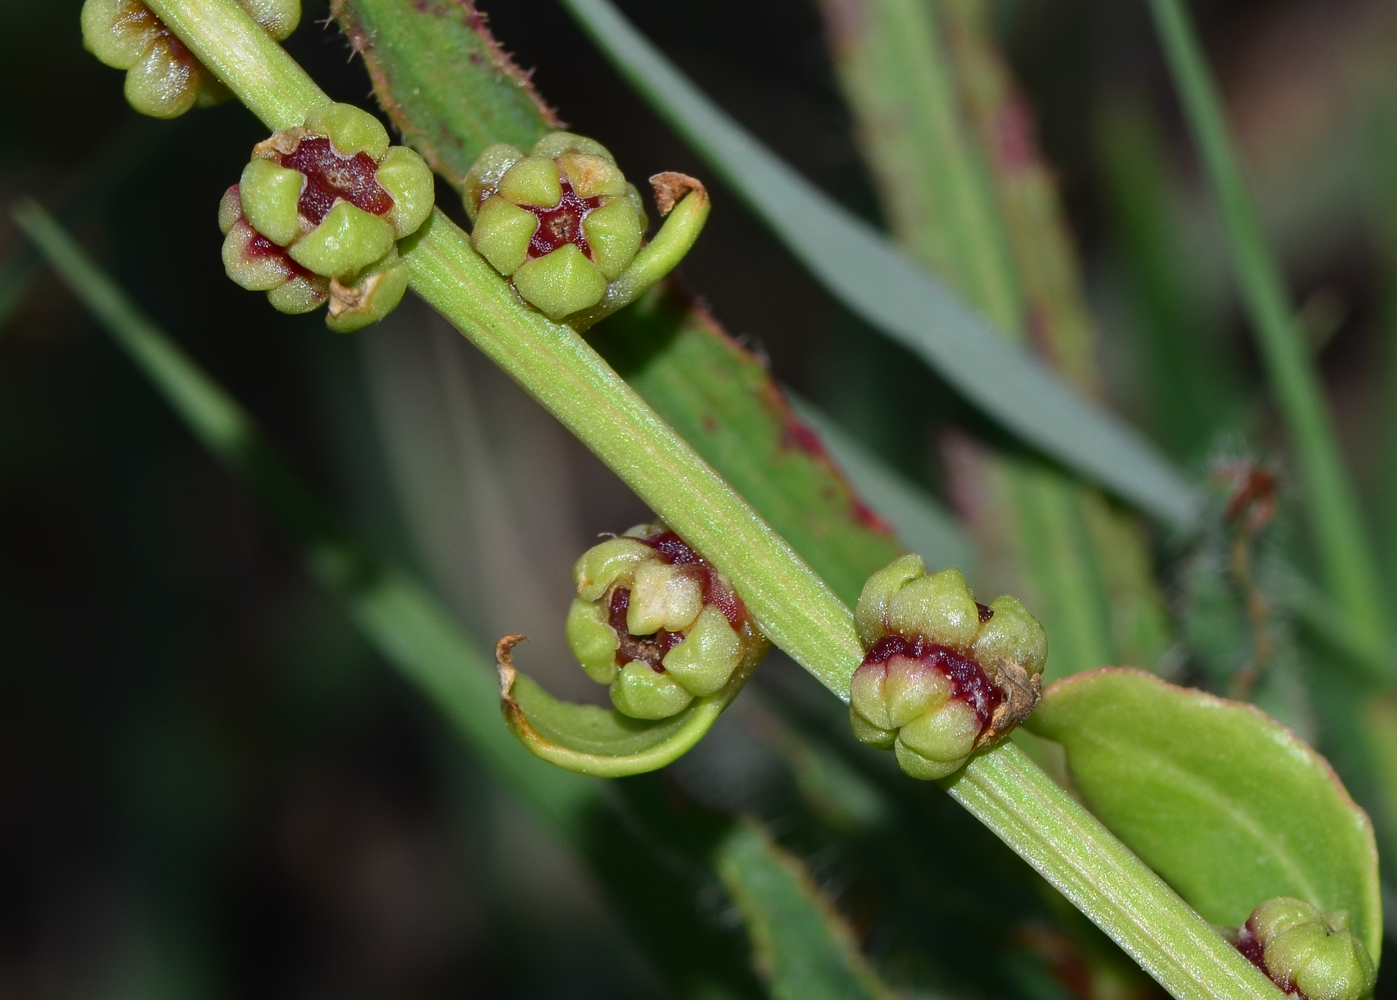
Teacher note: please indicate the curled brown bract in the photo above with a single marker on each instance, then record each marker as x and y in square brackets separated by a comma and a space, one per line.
[1021, 691]
[671, 186]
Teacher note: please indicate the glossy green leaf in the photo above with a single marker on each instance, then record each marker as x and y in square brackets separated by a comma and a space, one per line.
[1229, 806]
[599, 741]
[801, 945]
[876, 280]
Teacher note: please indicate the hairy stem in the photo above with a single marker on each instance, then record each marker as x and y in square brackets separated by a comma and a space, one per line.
[1340, 539]
[792, 604]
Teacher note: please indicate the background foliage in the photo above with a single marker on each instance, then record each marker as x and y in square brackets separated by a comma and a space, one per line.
[211, 784]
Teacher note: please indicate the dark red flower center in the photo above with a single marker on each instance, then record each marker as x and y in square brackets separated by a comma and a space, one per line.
[1251, 948]
[561, 223]
[969, 682]
[651, 649]
[331, 177]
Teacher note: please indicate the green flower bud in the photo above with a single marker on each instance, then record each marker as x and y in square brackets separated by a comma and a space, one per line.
[333, 197]
[943, 675]
[642, 693]
[657, 623]
[565, 226]
[371, 297]
[1306, 951]
[259, 265]
[163, 79]
[593, 641]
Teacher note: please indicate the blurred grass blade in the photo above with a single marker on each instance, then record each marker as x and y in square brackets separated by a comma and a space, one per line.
[877, 281]
[921, 523]
[801, 945]
[1336, 523]
[416, 634]
[406, 623]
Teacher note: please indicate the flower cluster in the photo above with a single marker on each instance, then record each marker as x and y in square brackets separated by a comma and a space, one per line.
[163, 79]
[657, 623]
[942, 675]
[560, 222]
[1307, 952]
[317, 215]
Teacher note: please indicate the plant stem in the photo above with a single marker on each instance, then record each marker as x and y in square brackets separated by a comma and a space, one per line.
[792, 605]
[1343, 550]
[245, 58]
[556, 366]
[1101, 876]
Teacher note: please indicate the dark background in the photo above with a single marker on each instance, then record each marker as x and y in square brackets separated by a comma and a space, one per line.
[209, 785]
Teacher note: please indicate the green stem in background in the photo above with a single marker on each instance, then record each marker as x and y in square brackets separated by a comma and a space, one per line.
[1005, 790]
[406, 623]
[245, 58]
[1340, 539]
[792, 605]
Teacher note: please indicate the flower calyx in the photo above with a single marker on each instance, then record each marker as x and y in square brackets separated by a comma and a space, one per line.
[943, 675]
[567, 229]
[163, 78]
[1305, 952]
[657, 623]
[318, 213]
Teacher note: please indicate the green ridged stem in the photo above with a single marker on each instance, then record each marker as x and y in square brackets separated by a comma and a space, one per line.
[1005, 790]
[245, 58]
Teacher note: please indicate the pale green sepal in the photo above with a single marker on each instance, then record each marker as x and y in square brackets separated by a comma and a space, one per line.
[117, 48]
[592, 640]
[347, 241]
[560, 283]
[299, 295]
[913, 689]
[485, 173]
[558, 143]
[871, 611]
[592, 176]
[408, 181]
[269, 195]
[600, 566]
[598, 741]
[278, 18]
[654, 260]
[161, 86]
[1225, 803]
[866, 732]
[1012, 634]
[944, 734]
[501, 234]
[350, 130]
[373, 296]
[922, 768]
[643, 693]
[614, 234]
[939, 606]
[704, 661]
[532, 181]
[662, 597]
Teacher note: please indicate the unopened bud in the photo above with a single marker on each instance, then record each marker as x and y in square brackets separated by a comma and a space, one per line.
[328, 202]
[563, 224]
[163, 79]
[1307, 952]
[942, 675]
[657, 623]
